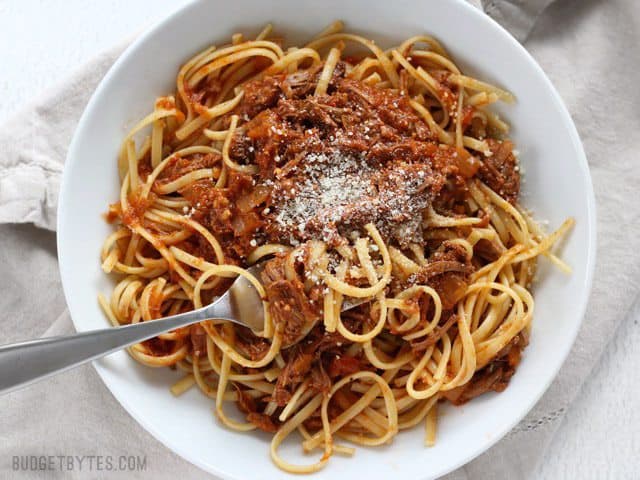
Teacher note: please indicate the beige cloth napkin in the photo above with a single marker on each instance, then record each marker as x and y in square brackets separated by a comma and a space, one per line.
[74, 414]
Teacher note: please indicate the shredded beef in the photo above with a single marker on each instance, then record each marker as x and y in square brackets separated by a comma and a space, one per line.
[290, 307]
[494, 376]
[305, 358]
[292, 374]
[250, 345]
[262, 421]
[487, 250]
[500, 170]
[342, 365]
[247, 405]
[448, 272]
[320, 380]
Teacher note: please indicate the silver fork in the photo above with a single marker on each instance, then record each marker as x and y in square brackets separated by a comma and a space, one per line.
[27, 362]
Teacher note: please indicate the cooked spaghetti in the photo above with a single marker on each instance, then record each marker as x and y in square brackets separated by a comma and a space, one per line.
[353, 172]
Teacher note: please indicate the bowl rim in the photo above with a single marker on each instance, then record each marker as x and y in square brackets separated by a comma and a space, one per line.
[581, 162]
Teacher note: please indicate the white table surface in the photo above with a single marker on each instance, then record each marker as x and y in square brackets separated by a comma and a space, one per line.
[41, 42]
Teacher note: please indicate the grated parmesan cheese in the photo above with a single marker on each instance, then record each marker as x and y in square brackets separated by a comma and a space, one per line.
[338, 192]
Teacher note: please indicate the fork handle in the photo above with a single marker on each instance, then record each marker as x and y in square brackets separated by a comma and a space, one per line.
[26, 362]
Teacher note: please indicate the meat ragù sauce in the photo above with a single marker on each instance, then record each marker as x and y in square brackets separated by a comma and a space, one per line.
[326, 166]
[329, 164]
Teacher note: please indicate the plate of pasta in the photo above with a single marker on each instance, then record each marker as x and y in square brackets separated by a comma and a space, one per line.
[414, 191]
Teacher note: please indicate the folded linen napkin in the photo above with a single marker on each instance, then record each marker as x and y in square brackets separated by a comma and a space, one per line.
[584, 60]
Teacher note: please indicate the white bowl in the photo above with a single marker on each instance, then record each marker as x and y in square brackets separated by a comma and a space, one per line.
[557, 185]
